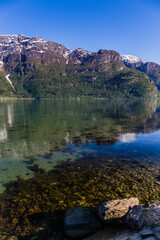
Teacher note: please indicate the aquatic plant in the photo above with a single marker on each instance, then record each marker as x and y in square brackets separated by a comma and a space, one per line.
[85, 182]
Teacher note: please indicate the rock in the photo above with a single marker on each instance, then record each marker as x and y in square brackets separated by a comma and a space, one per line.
[135, 217]
[156, 231]
[20, 49]
[115, 233]
[80, 222]
[116, 210]
[147, 232]
[152, 214]
[157, 235]
[132, 61]
[150, 238]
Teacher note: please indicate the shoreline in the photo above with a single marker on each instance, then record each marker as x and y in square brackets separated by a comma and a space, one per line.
[79, 98]
[117, 219]
[45, 198]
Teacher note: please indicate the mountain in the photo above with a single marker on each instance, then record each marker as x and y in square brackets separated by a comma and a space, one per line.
[6, 89]
[34, 67]
[150, 68]
[132, 61]
[153, 71]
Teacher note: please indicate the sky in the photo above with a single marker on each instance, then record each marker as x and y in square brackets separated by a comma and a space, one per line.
[129, 27]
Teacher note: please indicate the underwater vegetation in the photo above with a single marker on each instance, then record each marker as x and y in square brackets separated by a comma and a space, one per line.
[87, 182]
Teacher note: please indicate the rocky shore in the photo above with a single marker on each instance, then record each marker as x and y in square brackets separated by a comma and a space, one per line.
[118, 219]
[114, 220]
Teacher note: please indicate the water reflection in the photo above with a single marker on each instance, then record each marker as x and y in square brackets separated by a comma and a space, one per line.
[114, 146]
[10, 114]
[3, 134]
[52, 130]
[127, 137]
[32, 127]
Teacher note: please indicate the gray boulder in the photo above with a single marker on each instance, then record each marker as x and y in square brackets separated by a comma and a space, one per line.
[152, 214]
[146, 232]
[80, 222]
[115, 232]
[135, 217]
[116, 210]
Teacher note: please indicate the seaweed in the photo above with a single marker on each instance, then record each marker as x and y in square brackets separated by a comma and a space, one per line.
[83, 182]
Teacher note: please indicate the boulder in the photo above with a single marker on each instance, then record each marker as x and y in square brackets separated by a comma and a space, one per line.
[150, 238]
[152, 214]
[80, 222]
[146, 232]
[115, 232]
[135, 217]
[116, 210]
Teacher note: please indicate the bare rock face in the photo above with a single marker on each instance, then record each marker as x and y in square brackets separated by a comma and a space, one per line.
[135, 217]
[15, 49]
[105, 56]
[105, 59]
[116, 210]
[19, 49]
[77, 56]
[151, 68]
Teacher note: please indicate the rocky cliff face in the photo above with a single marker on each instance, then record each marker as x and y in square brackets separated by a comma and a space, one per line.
[132, 61]
[15, 49]
[27, 61]
[150, 68]
[19, 49]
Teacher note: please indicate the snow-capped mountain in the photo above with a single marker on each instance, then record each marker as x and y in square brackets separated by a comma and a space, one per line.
[33, 58]
[18, 48]
[150, 68]
[132, 61]
[15, 49]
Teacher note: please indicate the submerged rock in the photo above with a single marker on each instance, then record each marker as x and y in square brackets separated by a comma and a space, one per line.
[146, 232]
[116, 210]
[115, 233]
[135, 217]
[119, 232]
[152, 214]
[80, 222]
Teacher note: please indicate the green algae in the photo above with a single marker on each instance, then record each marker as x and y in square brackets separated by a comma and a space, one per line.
[84, 182]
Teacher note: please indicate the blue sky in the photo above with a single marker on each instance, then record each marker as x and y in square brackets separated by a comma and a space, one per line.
[127, 26]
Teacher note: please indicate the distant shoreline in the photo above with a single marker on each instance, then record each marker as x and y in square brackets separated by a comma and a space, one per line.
[79, 98]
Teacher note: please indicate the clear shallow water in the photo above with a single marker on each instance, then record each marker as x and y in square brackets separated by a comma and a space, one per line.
[48, 131]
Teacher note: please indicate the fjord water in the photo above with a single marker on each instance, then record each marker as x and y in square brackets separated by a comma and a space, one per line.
[48, 131]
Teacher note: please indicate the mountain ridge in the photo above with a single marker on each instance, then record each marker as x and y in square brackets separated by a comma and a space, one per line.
[25, 60]
[152, 69]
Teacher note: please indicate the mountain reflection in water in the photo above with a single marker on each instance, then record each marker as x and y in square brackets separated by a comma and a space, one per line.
[48, 131]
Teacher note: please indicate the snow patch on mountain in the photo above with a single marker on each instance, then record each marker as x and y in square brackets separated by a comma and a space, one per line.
[67, 53]
[1, 65]
[131, 59]
[7, 77]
